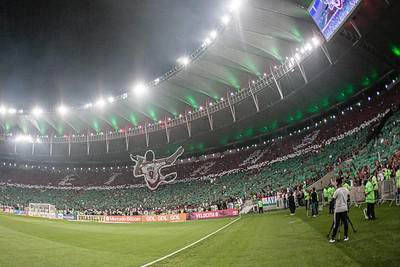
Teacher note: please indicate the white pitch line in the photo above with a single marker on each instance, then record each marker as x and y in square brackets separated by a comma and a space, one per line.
[188, 246]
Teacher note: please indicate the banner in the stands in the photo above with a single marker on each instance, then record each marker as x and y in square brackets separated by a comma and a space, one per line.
[151, 169]
[269, 201]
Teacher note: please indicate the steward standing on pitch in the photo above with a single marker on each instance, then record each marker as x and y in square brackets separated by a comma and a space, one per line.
[341, 195]
[370, 199]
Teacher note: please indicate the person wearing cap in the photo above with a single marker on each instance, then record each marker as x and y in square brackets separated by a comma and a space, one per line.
[370, 199]
[340, 196]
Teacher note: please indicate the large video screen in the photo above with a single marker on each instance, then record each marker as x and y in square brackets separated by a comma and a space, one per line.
[331, 15]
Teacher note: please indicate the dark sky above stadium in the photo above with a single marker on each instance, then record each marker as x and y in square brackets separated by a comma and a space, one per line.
[74, 52]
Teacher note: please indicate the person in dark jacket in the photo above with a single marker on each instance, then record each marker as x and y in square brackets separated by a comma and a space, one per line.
[292, 205]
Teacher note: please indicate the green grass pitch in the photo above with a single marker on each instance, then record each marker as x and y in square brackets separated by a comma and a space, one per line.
[269, 239]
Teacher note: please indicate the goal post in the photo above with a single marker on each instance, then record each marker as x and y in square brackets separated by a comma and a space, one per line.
[42, 210]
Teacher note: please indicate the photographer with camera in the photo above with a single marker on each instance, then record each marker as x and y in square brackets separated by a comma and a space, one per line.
[341, 195]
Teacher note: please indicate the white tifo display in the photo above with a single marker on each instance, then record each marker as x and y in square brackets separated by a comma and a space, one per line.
[43, 210]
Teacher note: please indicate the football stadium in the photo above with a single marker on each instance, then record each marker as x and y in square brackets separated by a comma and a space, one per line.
[200, 133]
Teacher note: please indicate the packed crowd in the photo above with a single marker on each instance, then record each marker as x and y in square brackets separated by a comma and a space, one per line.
[273, 169]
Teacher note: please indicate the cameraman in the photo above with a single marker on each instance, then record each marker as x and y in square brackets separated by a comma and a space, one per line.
[341, 195]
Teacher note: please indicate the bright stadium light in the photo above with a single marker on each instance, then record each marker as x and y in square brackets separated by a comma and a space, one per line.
[207, 41]
[315, 41]
[12, 110]
[62, 110]
[3, 110]
[100, 102]
[37, 111]
[225, 19]
[139, 89]
[213, 34]
[111, 99]
[235, 5]
[183, 60]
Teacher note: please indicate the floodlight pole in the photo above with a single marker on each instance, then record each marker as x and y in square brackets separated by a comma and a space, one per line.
[166, 129]
[231, 107]
[189, 126]
[276, 82]
[210, 120]
[33, 148]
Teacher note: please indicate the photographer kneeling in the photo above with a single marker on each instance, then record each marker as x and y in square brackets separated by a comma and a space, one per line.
[341, 195]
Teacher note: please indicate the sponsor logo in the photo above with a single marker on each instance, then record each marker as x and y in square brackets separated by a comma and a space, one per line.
[93, 218]
[175, 217]
[150, 219]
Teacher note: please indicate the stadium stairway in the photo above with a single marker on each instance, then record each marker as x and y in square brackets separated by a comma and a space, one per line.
[326, 180]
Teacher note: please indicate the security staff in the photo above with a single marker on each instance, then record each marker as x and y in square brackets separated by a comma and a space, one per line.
[370, 199]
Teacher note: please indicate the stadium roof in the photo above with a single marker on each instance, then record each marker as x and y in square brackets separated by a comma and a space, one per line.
[205, 102]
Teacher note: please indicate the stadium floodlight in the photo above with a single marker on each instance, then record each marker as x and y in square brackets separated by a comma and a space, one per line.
[100, 102]
[225, 20]
[235, 5]
[23, 139]
[111, 99]
[37, 111]
[213, 34]
[62, 110]
[315, 41]
[207, 41]
[139, 89]
[308, 47]
[12, 110]
[297, 56]
[183, 60]
[3, 110]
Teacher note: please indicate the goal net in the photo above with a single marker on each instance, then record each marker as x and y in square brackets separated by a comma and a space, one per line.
[42, 210]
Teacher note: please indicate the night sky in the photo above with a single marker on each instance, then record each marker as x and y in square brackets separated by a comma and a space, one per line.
[74, 52]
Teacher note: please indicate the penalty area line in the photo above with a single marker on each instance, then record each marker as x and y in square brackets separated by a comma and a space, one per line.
[194, 243]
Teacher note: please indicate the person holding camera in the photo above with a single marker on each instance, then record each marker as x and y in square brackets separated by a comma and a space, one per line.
[341, 195]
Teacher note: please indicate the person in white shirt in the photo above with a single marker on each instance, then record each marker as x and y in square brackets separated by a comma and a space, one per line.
[341, 195]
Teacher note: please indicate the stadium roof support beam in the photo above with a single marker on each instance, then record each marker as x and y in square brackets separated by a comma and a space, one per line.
[33, 148]
[188, 125]
[255, 97]
[355, 28]
[210, 119]
[325, 50]
[107, 145]
[87, 144]
[167, 130]
[276, 83]
[126, 141]
[146, 134]
[69, 146]
[303, 73]
[51, 146]
[231, 107]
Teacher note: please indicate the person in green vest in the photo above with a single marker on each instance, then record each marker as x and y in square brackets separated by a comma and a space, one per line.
[260, 206]
[307, 201]
[331, 190]
[370, 199]
[388, 172]
[398, 182]
[325, 195]
[374, 182]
